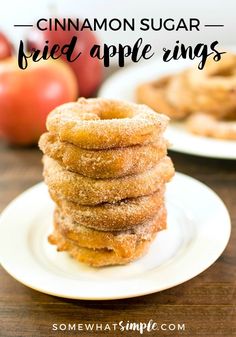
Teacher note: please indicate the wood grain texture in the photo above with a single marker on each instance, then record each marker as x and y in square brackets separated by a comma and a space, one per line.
[206, 304]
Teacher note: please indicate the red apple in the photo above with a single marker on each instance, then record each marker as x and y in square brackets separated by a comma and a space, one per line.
[88, 70]
[6, 48]
[27, 96]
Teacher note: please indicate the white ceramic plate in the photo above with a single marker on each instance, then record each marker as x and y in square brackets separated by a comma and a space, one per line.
[198, 231]
[122, 86]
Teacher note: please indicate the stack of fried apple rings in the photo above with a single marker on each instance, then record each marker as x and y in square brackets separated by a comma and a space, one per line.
[106, 166]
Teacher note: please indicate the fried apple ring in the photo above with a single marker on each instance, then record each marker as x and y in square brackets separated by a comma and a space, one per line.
[154, 94]
[88, 191]
[208, 126]
[121, 215]
[111, 163]
[97, 257]
[122, 242]
[99, 123]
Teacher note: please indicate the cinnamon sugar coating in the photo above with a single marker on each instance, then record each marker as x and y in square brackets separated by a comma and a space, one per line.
[123, 243]
[88, 191]
[121, 215]
[107, 163]
[99, 123]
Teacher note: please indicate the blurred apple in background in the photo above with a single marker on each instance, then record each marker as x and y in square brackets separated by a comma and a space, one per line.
[6, 48]
[88, 70]
[27, 96]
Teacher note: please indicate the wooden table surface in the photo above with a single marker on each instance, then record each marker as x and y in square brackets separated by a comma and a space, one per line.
[206, 304]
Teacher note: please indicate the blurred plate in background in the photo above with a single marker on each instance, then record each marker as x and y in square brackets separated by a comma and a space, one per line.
[122, 85]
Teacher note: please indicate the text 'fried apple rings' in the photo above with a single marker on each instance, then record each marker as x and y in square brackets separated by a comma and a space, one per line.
[155, 95]
[110, 163]
[89, 191]
[208, 126]
[97, 257]
[122, 242]
[103, 123]
[112, 216]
